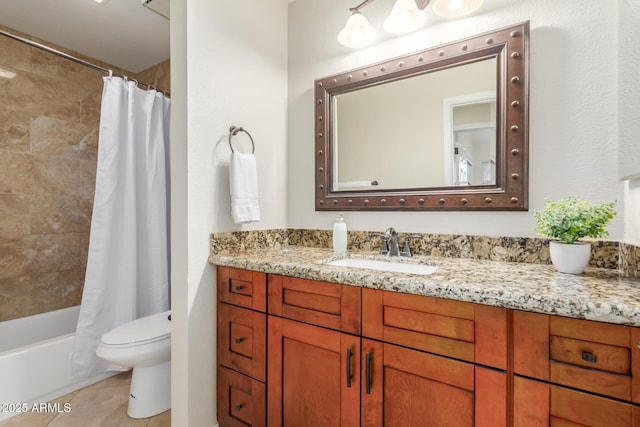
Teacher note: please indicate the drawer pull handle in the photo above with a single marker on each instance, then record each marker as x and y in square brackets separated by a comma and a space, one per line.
[239, 288]
[589, 357]
[238, 408]
[239, 340]
[349, 354]
[368, 372]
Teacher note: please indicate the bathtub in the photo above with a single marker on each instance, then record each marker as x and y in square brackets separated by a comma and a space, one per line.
[35, 362]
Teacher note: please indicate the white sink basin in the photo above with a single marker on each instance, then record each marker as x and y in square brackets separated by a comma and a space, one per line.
[373, 264]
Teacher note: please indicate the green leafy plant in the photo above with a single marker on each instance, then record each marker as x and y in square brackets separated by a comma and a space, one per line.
[570, 219]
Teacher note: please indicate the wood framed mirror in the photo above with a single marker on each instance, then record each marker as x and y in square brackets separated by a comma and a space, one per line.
[441, 129]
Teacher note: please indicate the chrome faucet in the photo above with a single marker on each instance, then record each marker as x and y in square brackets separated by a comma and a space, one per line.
[390, 246]
[392, 239]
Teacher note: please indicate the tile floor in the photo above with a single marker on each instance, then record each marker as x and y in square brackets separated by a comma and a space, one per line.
[103, 404]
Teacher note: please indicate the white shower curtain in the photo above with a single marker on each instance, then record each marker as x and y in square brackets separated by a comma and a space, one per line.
[127, 273]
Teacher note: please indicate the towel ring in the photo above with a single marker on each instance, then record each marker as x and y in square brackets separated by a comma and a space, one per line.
[233, 131]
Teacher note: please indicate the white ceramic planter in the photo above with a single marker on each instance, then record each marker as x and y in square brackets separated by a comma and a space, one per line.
[570, 258]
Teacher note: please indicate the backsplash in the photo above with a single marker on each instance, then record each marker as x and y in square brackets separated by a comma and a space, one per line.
[630, 260]
[604, 254]
[247, 240]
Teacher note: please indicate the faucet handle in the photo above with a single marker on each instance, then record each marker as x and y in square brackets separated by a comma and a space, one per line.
[406, 250]
[384, 238]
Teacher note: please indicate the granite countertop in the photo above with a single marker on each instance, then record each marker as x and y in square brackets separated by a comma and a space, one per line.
[599, 294]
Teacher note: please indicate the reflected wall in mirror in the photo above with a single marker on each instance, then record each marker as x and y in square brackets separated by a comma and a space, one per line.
[444, 129]
[421, 120]
[469, 133]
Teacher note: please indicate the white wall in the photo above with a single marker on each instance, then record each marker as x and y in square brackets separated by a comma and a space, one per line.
[629, 105]
[632, 224]
[573, 105]
[629, 95]
[228, 68]
[179, 241]
[408, 126]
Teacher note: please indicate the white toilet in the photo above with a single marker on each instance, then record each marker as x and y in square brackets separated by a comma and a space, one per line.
[145, 345]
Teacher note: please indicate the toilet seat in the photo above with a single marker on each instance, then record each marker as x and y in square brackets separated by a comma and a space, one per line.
[145, 330]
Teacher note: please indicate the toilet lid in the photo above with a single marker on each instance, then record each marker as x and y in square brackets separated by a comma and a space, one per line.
[146, 329]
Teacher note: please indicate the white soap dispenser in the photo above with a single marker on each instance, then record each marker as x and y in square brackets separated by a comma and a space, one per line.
[339, 236]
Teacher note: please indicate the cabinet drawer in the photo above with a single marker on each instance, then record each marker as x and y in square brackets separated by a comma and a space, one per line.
[587, 355]
[241, 400]
[244, 288]
[456, 329]
[538, 403]
[324, 304]
[242, 337]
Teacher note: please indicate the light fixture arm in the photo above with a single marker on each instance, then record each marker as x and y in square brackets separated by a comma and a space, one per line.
[422, 4]
[358, 7]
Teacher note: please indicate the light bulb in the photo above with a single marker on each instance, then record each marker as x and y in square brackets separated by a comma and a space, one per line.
[454, 5]
[455, 8]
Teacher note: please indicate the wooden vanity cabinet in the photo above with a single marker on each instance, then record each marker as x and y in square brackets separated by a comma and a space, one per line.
[575, 372]
[422, 361]
[296, 352]
[241, 347]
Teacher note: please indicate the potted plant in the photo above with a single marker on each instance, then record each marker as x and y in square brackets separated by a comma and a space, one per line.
[568, 220]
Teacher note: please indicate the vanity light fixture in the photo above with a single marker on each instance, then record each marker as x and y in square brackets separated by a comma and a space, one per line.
[406, 16]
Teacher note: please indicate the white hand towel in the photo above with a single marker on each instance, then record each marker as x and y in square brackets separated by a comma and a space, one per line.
[243, 180]
[349, 184]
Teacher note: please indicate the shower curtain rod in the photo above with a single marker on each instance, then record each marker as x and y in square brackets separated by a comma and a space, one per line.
[76, 60]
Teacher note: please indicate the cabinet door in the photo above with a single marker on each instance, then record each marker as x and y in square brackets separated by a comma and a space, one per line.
[313, 376]
[538, 403]
[405, 388]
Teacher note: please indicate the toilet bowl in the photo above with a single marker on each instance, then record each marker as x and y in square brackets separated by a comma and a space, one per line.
[145, 345]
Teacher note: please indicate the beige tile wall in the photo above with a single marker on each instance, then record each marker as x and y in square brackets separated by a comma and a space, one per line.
[49, 121]
[158, 76]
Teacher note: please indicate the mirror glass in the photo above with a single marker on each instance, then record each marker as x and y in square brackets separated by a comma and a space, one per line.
[445, 128]
[440, 125]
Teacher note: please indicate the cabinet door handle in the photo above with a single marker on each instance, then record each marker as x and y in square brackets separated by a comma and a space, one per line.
[349, 354]
[239, 340]
[238, 408]
[368, 372]
[589, 357]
